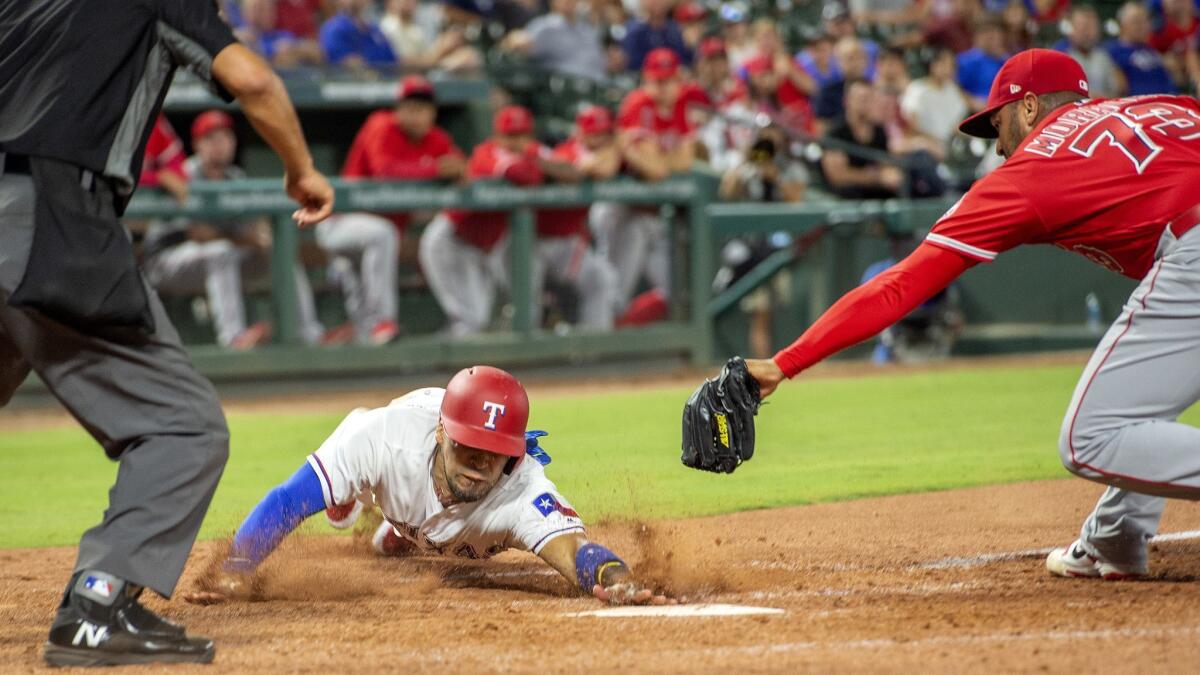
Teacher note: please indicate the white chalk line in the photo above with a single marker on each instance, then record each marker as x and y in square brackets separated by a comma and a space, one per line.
[953, 562]
[957, 562]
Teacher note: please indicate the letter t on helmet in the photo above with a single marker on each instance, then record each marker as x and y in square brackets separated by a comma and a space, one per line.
[486, 408]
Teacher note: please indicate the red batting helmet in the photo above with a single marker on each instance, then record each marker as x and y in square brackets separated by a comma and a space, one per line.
[486, 408]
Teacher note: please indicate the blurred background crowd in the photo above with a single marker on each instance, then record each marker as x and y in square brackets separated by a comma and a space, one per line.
[783, 100]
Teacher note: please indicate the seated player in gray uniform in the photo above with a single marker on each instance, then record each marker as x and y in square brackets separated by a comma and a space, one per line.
[183, 257]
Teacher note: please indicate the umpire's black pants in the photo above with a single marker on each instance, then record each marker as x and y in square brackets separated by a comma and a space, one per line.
[138, 396]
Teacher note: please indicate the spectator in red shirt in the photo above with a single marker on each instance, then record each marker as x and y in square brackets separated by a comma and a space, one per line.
[691, 15]
[714, 75]
[795, 84]
[464, 253]
[282, 47]
[771, 95]
[1176, 37]
[163, 164]
[301, 18]
[1179, 24]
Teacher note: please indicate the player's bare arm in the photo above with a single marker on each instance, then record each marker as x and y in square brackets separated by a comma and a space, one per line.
[452, 167]
[682, 156]
[265, 101]
[560, 171]
[602, 164]
[598, 571]
[644, 157]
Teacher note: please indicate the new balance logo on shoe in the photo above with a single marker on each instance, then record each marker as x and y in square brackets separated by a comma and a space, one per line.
[91, 632]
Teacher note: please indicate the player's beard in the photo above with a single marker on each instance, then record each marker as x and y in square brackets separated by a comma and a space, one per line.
[477, 491]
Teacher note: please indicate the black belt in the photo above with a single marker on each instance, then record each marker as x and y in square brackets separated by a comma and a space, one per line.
[14, 163]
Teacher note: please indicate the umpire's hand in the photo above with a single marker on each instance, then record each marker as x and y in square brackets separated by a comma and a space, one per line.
[313, 193]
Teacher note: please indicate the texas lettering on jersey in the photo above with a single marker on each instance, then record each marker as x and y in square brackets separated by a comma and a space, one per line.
[1068, 185]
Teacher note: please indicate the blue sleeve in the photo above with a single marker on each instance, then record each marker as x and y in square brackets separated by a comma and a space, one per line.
[280, 512]
[336, 41]
[379, 52]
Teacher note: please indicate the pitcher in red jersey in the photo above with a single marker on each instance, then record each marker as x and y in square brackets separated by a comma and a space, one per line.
[1112, 180]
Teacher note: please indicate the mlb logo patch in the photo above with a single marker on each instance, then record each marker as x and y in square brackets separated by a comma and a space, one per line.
[98, 586]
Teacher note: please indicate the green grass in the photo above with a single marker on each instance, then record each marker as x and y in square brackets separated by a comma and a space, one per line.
[617, 454]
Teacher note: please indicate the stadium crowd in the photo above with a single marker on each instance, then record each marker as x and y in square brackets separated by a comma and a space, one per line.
[856, 101]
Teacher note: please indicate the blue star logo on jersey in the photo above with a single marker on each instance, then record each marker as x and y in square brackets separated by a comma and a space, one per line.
[545, 503]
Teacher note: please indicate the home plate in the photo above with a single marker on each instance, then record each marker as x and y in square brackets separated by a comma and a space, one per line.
[677, 611]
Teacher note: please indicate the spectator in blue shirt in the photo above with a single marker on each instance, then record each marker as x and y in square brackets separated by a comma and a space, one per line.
[656, 30]
[978, 66]
[1142, 65]
[817, 60]
[348, 39]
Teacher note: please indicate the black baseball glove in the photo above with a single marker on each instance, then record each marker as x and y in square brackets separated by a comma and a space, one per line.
[718, 420]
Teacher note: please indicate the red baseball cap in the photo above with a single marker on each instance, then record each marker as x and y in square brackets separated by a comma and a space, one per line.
[414, 86]
[712, 46]
[688, 12]
[486, 408]
[209, 121]
[513, 120]
[1037, 71]
[660, 64]
[594, 120]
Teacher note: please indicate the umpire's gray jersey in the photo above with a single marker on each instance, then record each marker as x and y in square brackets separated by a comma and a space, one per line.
[82, 80]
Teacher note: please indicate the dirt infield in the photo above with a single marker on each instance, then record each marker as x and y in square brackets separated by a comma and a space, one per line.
[941, 582]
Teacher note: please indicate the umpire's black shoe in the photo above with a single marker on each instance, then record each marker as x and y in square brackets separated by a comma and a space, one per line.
[101, 623]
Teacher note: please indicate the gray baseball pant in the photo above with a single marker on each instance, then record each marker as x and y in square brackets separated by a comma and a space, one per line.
[463, 277]
[635, 242]
[217, 269]
[572, 261]
[370, 245]
[141, 399]
[1121, 427]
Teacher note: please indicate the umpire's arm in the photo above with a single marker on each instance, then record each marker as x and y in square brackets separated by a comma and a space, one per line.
[266, 104]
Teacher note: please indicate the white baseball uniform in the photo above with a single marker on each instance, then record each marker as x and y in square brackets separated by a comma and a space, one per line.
[385, 457]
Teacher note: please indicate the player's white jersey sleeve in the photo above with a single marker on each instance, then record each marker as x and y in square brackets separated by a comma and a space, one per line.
[381, 455]
[540, 513]
[349, 462]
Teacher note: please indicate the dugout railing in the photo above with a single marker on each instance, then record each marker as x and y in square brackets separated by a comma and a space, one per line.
[685, 333]
[699, 226]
